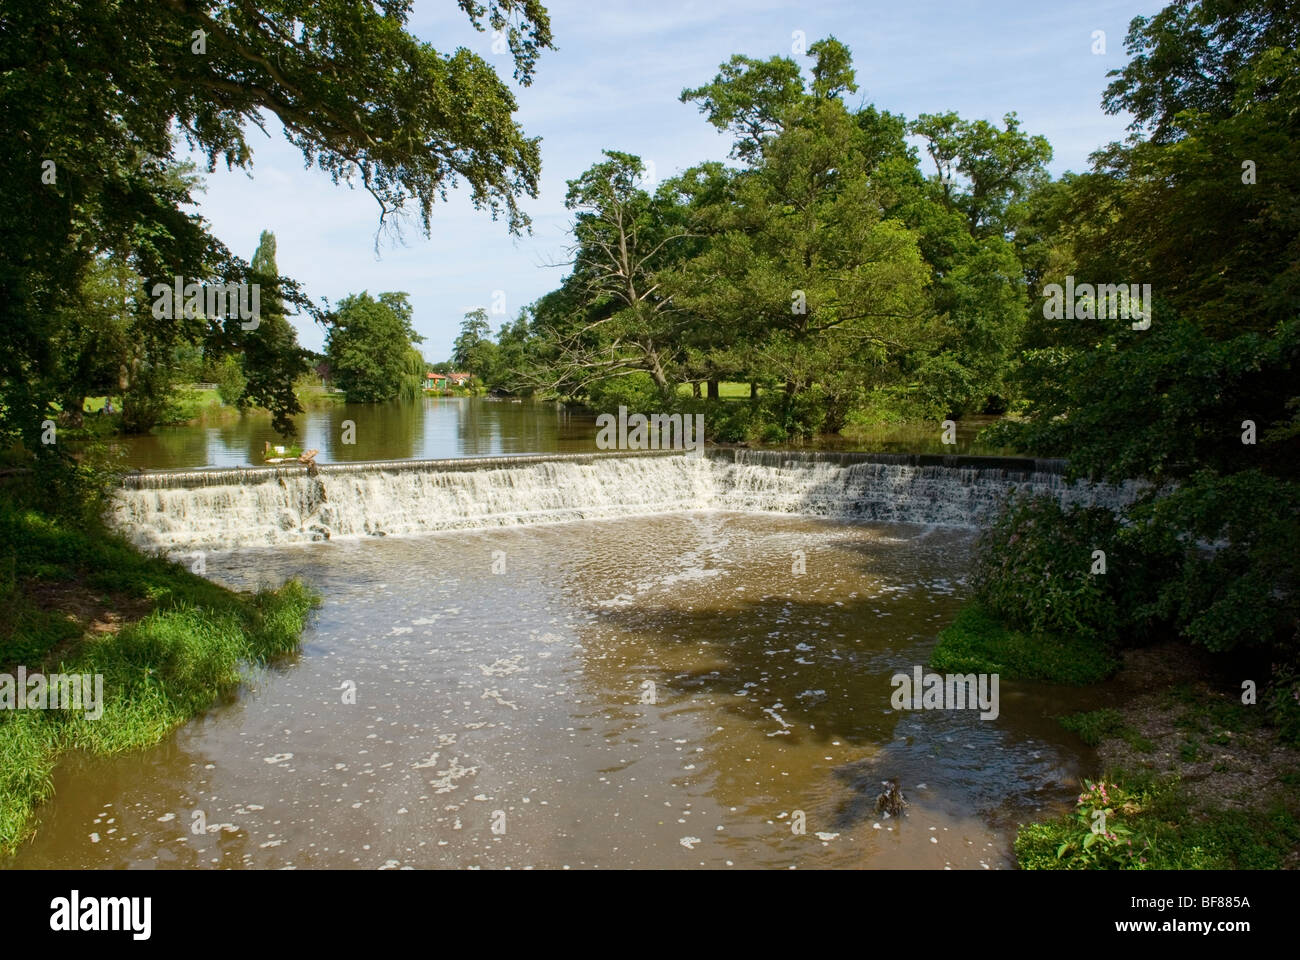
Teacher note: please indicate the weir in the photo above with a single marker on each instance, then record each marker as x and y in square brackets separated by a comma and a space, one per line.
[218, 509]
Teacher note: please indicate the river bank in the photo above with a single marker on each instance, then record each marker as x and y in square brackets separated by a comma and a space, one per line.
[1188, 777]
[162, 643]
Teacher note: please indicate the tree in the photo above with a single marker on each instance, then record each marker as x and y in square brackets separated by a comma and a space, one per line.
[473, 351]
[825, 290]
[92, 345]
[615, 318]
[749, 97]
[93, 90]
[369, 346]
[272, 360]
[1169, 404]
[1000, 167]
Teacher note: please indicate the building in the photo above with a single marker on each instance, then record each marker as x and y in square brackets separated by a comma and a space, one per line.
[441, 381]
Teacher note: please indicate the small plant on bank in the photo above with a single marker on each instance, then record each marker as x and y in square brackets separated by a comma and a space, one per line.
[1099, 840]
[1094, 726]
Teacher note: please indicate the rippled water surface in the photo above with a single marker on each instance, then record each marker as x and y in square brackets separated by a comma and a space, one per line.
[516, 700]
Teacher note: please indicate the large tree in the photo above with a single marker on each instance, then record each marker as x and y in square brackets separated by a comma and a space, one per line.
[1203, 204]
[614, 317]
[92, 91]
[826, 291]
[369, 346]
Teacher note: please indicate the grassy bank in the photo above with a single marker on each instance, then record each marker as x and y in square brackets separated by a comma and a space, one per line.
[1187, 777]
[77, 599]
[1192, 778]
[976, 642]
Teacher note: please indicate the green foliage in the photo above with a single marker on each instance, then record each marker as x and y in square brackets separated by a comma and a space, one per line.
[637, 392]
[369, 346]
[978, 642]
[100, 88]
[1094, 726]
[1034, 570]
[1165, 833]
[1097, 837]
[473, 351]
[230, 381]
[1214, 544]
[271, 361]
[827, 267]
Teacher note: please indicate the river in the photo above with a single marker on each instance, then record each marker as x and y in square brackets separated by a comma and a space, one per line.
[663, 662]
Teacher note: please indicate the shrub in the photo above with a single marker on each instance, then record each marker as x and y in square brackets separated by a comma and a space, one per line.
[1034, 565]
[230, 380]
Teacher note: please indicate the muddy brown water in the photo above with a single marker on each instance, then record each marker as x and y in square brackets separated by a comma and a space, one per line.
[500, 715]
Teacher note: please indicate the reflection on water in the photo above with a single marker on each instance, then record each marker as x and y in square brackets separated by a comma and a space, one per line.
[432, 427]
[516, 699]
[439, 427]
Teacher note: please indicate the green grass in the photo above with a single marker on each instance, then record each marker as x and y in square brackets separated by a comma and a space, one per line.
[726, 390]
[976, 642]
[180, 659]
[1172, 836]
[1094, 726]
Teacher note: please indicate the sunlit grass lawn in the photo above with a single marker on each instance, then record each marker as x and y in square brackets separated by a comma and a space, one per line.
[726, 390]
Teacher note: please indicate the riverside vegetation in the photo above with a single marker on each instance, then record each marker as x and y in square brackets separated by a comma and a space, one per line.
[828, 269]
[78, 598]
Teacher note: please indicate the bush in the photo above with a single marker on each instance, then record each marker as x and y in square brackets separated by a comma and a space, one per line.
[636, 391]
[230, 380]
[1034, 566]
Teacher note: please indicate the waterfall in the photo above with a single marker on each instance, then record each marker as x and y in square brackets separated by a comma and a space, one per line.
[226, 509]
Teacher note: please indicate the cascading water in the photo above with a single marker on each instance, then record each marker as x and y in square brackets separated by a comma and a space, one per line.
[226, 509]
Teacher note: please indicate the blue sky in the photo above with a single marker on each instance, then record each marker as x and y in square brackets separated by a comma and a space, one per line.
[614, 81]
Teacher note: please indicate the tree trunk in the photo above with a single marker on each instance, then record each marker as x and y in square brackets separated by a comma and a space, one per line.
[695, 389]
[753, 390]
[713, 390]
[73, 411]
